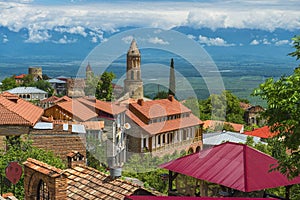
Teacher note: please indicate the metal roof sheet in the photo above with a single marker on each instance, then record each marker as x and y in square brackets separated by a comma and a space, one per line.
[43, 125]
[233, 165]
[220, 137]
[26, 90]
[55, 80]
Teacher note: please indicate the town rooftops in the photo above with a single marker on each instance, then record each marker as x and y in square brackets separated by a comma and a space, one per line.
[165, 126]
[50, 99]
[26, 90]
[159, 108]
[108, 107]
[263, 132]
[16, 111]
[88, 183]
[55, 80]
[20, 76]
[212, 124]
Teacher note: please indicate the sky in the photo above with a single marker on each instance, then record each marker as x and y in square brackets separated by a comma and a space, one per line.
[40, 17]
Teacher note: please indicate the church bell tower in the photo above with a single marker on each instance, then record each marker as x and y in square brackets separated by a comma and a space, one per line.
[133, 83]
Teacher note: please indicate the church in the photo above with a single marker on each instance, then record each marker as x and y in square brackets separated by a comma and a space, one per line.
[158, 126]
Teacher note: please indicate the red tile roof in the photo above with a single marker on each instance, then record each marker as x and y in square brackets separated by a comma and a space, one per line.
[87, 183]
[263, 132]
[77, 109]
[108, 107]
[50, 99]
[20, 76]
[93, 125]
[63, 99]
[165, 126]
[159, 108]
[16, 111]
[213, 123]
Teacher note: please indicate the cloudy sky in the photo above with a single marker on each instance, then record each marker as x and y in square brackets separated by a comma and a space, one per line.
[74, 16]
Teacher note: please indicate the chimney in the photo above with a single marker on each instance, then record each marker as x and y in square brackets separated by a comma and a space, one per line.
[171, 98]
[140, 102]
[115, 172]
[75, 158]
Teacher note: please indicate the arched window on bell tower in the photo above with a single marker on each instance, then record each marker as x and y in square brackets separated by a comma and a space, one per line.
[43, 191]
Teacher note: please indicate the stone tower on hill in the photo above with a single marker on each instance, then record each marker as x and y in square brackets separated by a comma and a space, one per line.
[133, 83]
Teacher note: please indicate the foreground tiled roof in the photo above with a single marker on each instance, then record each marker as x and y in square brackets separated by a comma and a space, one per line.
[165, 126]
[160, 108]
[88, 183]
[16, 111]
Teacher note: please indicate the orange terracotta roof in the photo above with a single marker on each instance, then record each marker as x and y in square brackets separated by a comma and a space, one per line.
[50, 99]
[165, 126]
[43, 167]
[108, 107]
[263, 132]
[88, 183]
[93, 125]
[244, 105]
[213, 123]
[160, 108]
[20, 76]
[63, 99]
[77, 109]
[16, 111]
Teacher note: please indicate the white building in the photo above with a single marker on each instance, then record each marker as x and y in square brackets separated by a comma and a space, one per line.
[29, 93]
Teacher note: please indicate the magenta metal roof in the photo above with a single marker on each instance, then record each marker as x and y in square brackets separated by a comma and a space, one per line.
[233, 165]
[192, 198]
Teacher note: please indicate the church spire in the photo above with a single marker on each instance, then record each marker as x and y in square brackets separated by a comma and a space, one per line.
[172, 89]
[133, 83]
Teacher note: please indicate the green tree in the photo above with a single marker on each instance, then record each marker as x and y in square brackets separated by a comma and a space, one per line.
[224, 106]
[283, 114]
[28, 80]
[161, 95]
[19, 150]
[43, 85]
[8, 83]
[104, 90]
[91, 83]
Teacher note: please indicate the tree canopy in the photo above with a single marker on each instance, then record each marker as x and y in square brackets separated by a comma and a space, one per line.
[283, 114]
[104, 90]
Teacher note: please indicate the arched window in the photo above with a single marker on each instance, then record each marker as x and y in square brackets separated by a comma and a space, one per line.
[132, 75]
[43, 191]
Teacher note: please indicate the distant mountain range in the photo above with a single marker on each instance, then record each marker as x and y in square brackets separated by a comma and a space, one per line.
[60, 51]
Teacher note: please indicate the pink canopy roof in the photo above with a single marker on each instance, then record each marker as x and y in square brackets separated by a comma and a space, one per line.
[233, 165]
[191, 198]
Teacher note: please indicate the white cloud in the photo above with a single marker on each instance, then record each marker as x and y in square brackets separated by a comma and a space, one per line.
[254, 42]
[72, 30]
[265, 41]
[191, 36]
[282, 42]
[65, 40]
[4, 39]
[156, 40]
[127, 39]
[213, 41]
[37, 36]
[109, 15]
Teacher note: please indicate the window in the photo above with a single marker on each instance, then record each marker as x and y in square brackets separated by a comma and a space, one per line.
[43, 192]
[132, 75]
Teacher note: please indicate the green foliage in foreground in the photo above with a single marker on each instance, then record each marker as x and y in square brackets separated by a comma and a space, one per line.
[283, 114]
[145, 168]
[19, 150]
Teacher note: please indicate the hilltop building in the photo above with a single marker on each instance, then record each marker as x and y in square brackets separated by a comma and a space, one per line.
[36, 72]
[29, 93]
[133, 84]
